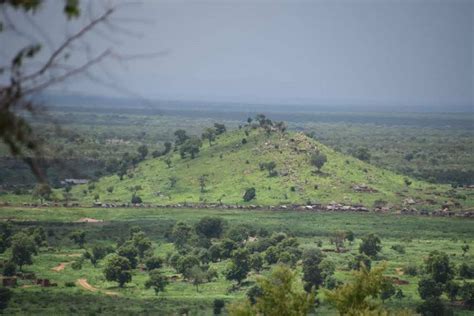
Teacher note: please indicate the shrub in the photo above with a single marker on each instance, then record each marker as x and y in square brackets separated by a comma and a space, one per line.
[77, 265]
[411, 269]
[210, 227]
[318, 160]
[466, 271]
[249, 195]
[157, 281]
[433, 307]
[9, 268]
[356, 263]
[399, 248]
[153, 263]
[136, 199]
[370, 245]
[5, 296]
[218, 306]
[253, 293]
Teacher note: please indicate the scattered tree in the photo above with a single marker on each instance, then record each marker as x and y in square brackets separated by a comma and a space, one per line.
[153, 262]
[312, 274]
[157, 281]
[181, 233]
[219, 128]
[203, 182]
[210, 227]
[353, 298]
[438, 267]
[118, 269]
[279, 296]
[142, 243]
[209, 135]
[185, 264]
[370, 245]
[78, 237]
[128, 250]
[98, 253]
[191, 147]
[239, 266]
[181, 137]
[142, 151]
[23, 248]
[197, 275]
[318, 160]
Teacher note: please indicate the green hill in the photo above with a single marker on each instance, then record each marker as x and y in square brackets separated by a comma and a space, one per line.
[230, 166]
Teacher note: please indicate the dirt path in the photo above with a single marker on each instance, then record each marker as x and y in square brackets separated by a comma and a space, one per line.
[83, 283]
[60, 267]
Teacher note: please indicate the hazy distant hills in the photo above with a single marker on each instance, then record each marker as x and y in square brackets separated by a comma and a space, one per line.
[297, 112]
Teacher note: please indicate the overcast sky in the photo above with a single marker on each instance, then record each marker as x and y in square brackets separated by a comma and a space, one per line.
[406, 52]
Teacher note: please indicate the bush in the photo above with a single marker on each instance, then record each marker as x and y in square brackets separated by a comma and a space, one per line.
[356, 263]
[5, 296]
[411, 269]
[399, 248]
[69, 284]
[467, 294]
[136, 199]
[9, 268]
[318, 160]
[253, 293]
[218, 306]
[77, 265]
[210, 227]
[249, 195]
[370, 245]
[153, 263]
[466, 271]
[433, 307]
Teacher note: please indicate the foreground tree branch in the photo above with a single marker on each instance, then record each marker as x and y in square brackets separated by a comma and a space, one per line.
[17, 93]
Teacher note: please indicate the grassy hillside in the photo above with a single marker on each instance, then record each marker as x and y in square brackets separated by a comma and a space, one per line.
[230, 167]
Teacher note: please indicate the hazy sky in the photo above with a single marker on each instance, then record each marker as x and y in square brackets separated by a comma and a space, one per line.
[406, 52]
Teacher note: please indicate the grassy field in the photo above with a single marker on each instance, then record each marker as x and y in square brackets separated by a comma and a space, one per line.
[419, 236]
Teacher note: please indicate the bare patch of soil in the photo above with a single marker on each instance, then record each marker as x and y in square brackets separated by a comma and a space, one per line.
[88, 220]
